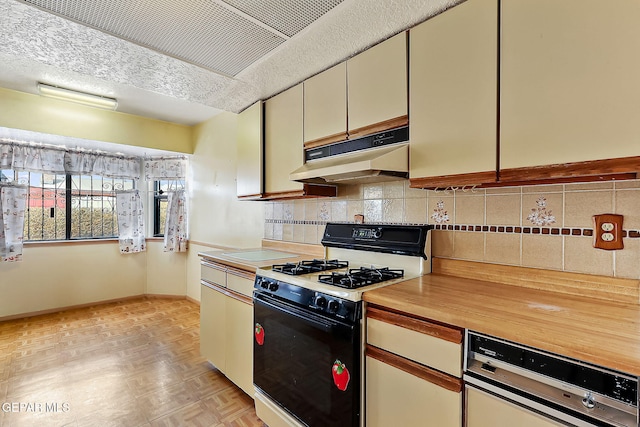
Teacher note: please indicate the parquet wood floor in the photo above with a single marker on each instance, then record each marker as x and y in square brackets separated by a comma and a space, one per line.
[130, 363]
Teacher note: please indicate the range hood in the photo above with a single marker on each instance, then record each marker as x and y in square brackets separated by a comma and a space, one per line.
[380, 157]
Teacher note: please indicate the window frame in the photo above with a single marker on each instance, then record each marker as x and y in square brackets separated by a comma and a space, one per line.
[69, 198]
[160, 195]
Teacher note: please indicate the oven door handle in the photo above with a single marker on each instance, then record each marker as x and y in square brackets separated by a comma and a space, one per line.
[310, 318]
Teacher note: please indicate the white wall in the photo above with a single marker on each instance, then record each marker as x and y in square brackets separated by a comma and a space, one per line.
[166, 271]
[217, 218]
[66, 274]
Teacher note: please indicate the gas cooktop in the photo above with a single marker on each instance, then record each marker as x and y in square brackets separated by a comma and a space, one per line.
[359, 257]
[309, 266]
[363, 276]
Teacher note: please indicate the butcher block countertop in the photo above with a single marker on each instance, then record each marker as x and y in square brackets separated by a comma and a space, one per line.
[591, 318]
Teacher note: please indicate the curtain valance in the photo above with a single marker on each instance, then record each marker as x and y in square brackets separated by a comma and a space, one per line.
[165, 169]
[51, 160]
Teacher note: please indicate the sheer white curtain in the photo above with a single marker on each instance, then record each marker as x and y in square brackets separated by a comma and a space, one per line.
[13, 203]
[130, 222]
[175, 229]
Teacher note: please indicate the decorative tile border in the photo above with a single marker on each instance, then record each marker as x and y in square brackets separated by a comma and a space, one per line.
[552, 231]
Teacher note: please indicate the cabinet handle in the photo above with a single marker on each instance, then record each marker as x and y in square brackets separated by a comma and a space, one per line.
[422, 326]
[416, 369]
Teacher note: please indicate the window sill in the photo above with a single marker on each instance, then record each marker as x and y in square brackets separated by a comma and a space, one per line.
[70, 242]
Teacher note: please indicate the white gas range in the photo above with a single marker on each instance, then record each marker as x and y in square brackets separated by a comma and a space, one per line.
[308, 364]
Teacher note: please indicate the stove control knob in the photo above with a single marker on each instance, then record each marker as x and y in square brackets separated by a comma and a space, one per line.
[333, 306]
[273, 286]
[321, 302]
[377, 233]
[262, 283]
[589, 401]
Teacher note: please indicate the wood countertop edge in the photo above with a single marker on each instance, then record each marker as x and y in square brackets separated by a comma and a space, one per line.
[578, 327]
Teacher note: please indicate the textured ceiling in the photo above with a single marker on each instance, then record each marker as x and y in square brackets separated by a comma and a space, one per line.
[223, 36]
[160, 61]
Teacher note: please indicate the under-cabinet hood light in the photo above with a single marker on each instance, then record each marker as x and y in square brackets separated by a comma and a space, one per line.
[77, 97]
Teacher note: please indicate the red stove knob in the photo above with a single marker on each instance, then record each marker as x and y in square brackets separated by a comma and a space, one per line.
[333, 306]
[321, 302]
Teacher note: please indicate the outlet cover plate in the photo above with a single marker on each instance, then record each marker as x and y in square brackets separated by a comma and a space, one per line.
[607, 232]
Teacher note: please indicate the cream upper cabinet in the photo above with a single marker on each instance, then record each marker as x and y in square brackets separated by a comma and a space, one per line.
[325, 106]
[453, 94]
[283, 140]
[249, 151]
[377, 87]
[570, 85]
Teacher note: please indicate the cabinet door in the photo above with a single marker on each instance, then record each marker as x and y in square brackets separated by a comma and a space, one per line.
[283, 140]
[486, 410]
[377, 87]
[213, 335]
[249, 150]
[397, 398]
[570, 90]
[453, 94]
[239, 363]
[325, 107]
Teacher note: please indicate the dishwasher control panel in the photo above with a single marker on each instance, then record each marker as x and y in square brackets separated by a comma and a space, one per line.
[577, 386]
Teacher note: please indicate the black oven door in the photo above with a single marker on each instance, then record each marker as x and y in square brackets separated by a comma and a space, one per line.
[307, 363]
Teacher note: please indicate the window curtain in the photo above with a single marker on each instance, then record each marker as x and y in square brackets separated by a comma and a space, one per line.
[130, 222]
[51, 160]
[175, 229]
[27, 158]
[167, 169]
[13, 203]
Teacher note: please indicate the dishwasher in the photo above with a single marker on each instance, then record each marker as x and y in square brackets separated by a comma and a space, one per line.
[509, 384]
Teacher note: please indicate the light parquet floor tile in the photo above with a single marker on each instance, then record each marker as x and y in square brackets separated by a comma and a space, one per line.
[129, 363]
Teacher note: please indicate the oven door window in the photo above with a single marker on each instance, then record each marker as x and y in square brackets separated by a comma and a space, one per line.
[294, 365]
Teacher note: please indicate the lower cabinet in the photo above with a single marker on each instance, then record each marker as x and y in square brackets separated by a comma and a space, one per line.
[413, 371]
[213, 319]
[239, 336]
[226, 324]
[397, 397]
[486, 410]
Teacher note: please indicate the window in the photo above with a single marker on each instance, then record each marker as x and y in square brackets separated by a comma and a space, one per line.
[160, 201]
[66, 207]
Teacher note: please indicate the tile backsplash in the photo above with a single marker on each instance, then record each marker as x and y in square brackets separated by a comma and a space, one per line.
[546, 226]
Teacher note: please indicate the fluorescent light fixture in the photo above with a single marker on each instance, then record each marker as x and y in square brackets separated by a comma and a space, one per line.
[77, 97]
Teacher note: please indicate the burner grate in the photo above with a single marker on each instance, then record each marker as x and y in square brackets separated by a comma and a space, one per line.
[309, 266]
[359, 277]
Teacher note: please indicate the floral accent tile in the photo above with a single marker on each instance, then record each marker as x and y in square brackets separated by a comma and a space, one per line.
[324, 211]
[287, 211]
[440, 215]
[540, 215]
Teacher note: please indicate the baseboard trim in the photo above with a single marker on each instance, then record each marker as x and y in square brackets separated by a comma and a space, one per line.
[193, 300]
[95, 303]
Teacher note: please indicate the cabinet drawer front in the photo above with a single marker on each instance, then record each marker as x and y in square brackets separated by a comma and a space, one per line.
[445, 356]
[214, 274]
[242, 285]
[397, 398]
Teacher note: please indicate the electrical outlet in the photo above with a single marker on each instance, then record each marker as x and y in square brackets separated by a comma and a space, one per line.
[607, 232]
